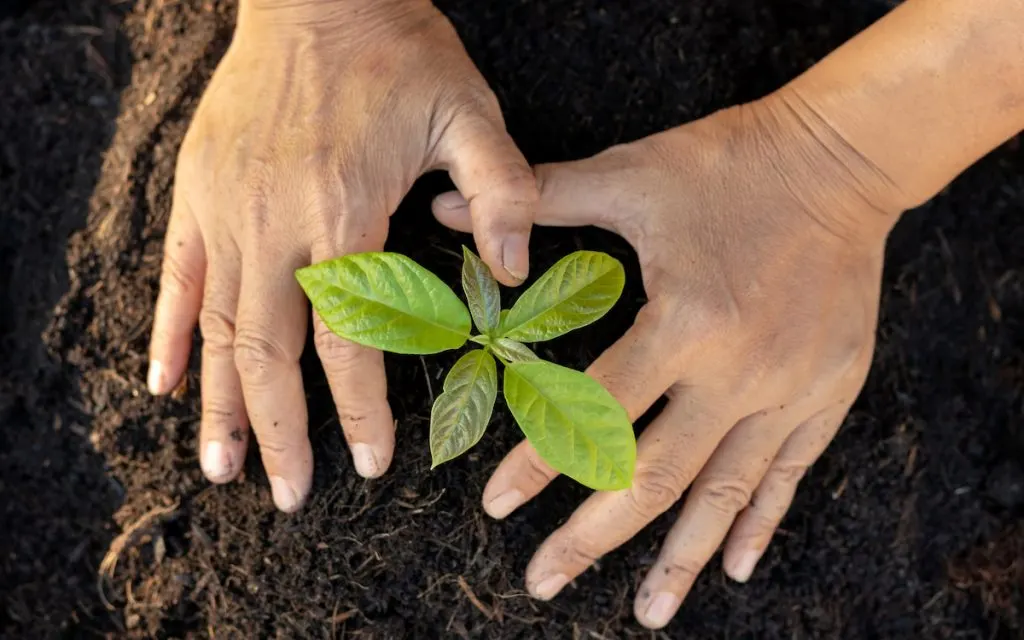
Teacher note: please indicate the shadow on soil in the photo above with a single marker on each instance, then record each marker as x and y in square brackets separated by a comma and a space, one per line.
[62, 68]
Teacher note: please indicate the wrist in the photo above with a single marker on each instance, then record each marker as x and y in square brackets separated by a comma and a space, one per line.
[837, 185]
[920, 95]
[362, 19]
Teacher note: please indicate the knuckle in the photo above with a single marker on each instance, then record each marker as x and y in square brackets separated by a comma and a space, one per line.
[756, 524]
[514, 186]
[787, 473]
[273, 447]
[218, 412]
[538, 473]
[473, 98]
[363, 416]
[725, 496]
[622, 379]
[656, 487]
[256, 354]
[175, 278]
[757, 379]
[337, 354]
[580, 551]
[582, 556]
[335, 212]
[217, 327]
[681, 569]
[759, 523]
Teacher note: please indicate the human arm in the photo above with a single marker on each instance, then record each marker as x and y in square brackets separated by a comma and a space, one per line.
[314, 126]
[760, 232]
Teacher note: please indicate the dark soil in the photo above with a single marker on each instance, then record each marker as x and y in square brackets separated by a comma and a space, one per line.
[908, 527]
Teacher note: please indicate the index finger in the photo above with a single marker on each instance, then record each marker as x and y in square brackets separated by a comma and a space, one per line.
[269, 337]
[669, 455]
[636, 375]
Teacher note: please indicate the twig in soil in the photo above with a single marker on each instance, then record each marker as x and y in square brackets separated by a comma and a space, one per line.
[426, 374]
[933, 600]
[109, 563]
[363, 509]
[516, 593]
[433, 586]
[337, 618]
[473, 599]
[908, 469]
[838, 493]
[419, 508]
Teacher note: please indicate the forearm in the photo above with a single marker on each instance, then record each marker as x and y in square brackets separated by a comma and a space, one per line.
[331, 15]
[919, 96]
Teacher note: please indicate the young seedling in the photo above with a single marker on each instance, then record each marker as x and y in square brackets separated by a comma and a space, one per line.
[389, 302]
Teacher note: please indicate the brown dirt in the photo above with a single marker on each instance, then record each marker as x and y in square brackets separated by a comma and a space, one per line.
[907, 527]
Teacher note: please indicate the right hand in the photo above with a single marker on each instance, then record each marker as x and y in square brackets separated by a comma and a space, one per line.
[761, 246]
[315, 125]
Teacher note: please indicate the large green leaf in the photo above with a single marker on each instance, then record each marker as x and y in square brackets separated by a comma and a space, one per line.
[386, 301]
[575, 425]
[460, 415]
[578, 290]
[512, 351]
[481, 292]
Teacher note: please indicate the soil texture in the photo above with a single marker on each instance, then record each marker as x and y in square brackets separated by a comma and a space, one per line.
[908, 527]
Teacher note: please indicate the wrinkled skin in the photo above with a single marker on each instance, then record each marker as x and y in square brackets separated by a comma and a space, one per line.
[761, 257]
[313, 128]
[760, 232]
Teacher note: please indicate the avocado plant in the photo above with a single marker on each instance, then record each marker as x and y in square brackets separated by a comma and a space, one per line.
[389, 302]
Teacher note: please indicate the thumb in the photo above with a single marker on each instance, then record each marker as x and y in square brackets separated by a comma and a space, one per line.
[572, 194]
[497, 190]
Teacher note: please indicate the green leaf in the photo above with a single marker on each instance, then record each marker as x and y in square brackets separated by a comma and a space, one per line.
[481, 292]
[509, 351]
[578, 290]
[460, 415]
[575, 425]
[386, 301]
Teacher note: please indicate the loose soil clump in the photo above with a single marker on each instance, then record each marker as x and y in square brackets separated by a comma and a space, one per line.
[907, 526]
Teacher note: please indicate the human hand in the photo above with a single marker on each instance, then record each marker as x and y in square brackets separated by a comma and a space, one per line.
[315, 125]
[761, 247]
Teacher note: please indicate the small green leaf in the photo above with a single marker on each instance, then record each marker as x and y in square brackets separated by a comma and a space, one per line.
[386, 301]
[575, 425]
[481, 292]
[509, 351]
[578, 290]
[460, 415]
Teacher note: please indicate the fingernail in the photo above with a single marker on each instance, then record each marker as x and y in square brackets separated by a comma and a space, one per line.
[663, 606]
[365, 460]
[744, 567]
[284, 496]
[549, 587]
[451, 200]
[504, 504]
[514, 255]
[154, 379]
[215, 461]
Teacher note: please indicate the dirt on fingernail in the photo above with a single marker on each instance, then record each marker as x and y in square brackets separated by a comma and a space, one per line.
[905, 528]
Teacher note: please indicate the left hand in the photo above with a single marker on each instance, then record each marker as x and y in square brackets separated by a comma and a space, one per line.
[761, 247]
